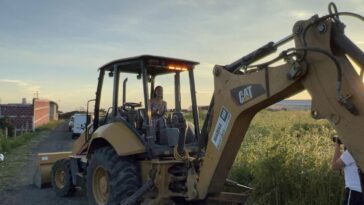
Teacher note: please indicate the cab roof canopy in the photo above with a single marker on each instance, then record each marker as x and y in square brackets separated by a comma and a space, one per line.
[155, 65]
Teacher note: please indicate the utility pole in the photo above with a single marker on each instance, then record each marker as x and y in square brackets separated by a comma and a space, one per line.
[36, 94]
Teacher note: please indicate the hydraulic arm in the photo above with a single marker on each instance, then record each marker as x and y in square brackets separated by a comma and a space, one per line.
[319, 63]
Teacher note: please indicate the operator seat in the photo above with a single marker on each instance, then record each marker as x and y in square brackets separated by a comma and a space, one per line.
[178, 120]
[141, 119]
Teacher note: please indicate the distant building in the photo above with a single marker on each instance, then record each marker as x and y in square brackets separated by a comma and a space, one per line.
[20, 115]
[53, 110]
[291, 105]
[41, 112]
[27, 117]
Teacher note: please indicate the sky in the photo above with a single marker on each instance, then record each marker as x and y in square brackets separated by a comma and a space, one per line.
[55, 47]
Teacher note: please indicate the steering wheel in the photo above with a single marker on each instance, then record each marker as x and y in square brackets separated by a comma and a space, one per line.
[131, 105]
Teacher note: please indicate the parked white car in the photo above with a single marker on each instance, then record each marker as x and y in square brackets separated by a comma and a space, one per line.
[79, 124]
[70, 123]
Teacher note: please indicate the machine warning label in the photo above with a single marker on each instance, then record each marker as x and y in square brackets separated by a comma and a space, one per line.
[221, 126]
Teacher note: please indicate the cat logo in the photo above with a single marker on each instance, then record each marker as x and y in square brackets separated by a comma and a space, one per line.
[245, 93]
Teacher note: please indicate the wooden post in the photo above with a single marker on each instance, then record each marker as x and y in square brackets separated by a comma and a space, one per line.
[27, 127]
[6, 132]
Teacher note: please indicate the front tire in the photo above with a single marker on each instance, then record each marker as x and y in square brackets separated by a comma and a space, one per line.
[61, 178]
[110, 178]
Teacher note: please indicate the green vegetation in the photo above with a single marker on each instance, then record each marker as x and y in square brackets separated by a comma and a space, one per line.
[17, 151]
[10, 143]
[6, 123]
[201, 116]
[286, 158]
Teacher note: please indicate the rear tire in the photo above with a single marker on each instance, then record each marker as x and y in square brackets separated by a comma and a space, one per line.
[61, 178]
[110, 178]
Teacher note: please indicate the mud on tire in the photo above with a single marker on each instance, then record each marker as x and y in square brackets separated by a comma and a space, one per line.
[110, 178]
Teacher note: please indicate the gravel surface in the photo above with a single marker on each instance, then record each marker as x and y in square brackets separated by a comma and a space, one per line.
[22, 191]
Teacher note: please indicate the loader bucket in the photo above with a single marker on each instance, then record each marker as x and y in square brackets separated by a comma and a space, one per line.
[45, 161]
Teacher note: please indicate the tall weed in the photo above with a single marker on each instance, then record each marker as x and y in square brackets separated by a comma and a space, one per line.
[286, 158]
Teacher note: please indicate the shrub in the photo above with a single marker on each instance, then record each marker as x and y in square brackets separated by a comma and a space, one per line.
[6, 123]
[6, 144]
[286, 158]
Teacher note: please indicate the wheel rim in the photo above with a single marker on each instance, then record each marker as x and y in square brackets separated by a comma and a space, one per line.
[60, 178]
[100, 185]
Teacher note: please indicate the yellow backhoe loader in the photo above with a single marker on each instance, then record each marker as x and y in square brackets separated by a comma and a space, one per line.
[125, 158]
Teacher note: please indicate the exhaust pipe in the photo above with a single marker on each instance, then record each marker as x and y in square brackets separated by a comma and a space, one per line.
[124, 90]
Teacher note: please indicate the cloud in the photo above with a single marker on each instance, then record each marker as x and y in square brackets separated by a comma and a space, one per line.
[22, 86]
[300, 14]
[66, 58]
[18, 82]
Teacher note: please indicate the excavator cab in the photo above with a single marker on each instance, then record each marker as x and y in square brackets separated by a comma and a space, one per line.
[137, 115]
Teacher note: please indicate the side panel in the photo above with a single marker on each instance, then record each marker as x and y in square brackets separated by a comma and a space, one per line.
[124, 140]
[77, 145]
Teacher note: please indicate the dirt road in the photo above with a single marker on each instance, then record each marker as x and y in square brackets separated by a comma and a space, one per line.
[22, 191]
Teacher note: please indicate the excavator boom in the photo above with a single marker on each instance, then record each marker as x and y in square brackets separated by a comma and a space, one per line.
[319, 63]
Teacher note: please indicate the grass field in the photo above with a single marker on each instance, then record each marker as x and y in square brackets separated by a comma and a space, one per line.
[17, 151]
[286, 158]
[7, 144]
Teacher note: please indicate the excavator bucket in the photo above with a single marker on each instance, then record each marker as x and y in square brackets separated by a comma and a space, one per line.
[45, 161]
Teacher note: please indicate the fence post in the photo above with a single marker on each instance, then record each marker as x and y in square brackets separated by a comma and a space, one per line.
[22, 130]
[6, 132]
[27, 127]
